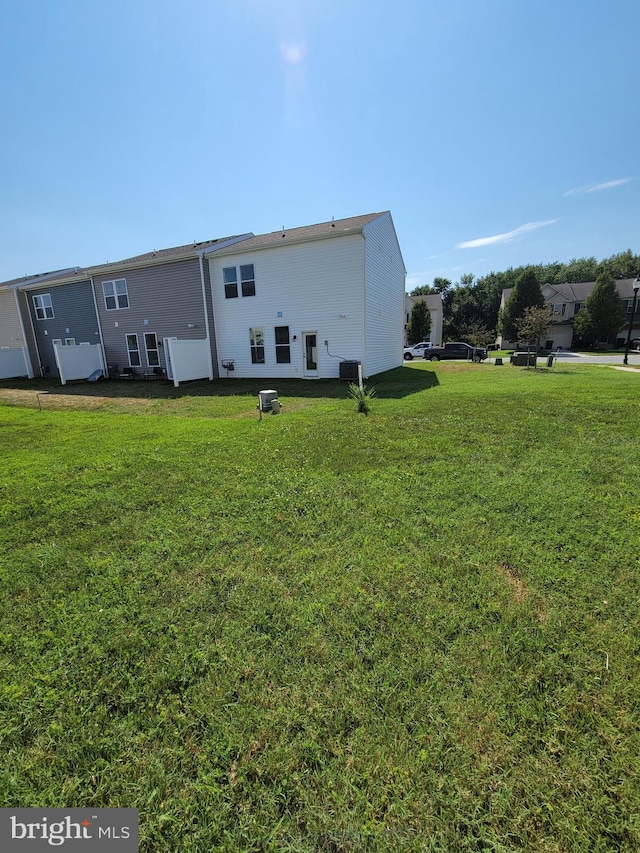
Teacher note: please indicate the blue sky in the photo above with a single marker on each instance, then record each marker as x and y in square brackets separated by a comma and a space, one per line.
[498, 132]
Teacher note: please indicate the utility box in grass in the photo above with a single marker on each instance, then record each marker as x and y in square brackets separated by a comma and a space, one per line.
[524, 359]
[265, 399]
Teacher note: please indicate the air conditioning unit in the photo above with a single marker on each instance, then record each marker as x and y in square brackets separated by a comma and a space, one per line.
[265, 399]
[349, 370]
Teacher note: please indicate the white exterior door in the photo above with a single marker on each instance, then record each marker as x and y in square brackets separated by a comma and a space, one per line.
[310, 354]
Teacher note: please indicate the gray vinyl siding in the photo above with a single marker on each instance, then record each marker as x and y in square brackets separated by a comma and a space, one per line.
[74, 317]
[163, 299]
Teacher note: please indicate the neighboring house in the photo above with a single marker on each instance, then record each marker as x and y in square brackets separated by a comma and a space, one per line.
[434, 304]
[564, 302]
[61, 310]
[145, 300]
[295, 303]
[17, 331]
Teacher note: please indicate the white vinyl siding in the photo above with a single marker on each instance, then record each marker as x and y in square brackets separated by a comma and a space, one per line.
[384, 297]
[305, 286]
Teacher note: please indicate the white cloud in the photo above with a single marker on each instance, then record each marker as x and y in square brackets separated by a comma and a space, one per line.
[596, 188]
[496, 239]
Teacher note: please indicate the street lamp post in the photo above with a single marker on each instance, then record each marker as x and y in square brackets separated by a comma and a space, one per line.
[636, 288]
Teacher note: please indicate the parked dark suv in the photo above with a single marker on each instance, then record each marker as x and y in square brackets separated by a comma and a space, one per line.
[456, 349]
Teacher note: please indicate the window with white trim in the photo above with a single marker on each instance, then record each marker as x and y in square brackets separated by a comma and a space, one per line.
[70, 342]
[57, 341]
[246, 277]
[230, 275]
[247, 280]
[283, 346]
[133, 350]
[43, 306]
[151, 347]
[256, 338]
[115, 294]
[577, 307]
[630, 305]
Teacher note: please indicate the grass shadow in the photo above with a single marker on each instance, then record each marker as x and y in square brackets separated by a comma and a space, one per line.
[393, 384]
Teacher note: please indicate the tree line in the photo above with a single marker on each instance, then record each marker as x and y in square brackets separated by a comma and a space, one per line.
[471, 306]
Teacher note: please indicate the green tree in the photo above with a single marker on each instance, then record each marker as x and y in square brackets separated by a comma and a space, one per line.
[421, 290]
[441, 285]
[532, 326]
[525, 294]
[419, 324]
[602, 314]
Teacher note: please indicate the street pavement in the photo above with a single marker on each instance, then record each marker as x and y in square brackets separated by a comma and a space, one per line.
[588, 358]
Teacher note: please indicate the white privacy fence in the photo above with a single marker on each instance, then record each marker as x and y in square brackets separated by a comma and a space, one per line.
[188, 360]
[78, 361]
[15, 361]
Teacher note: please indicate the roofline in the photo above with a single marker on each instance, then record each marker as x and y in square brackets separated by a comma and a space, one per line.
[190, 254]
[30, 281]
[347, 232]
[81, 276]
[87, 273]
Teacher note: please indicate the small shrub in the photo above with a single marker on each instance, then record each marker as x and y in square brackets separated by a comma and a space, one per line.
[362, 396]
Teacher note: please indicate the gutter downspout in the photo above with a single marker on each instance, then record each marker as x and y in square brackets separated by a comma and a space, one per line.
[29, 364]
[95, 305]
[206, 316]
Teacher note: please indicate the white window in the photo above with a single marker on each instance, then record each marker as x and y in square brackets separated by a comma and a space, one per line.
[256, 337]
[247, 280]
[43, 307]
[230, 275]
[630, 306]
[151, 346]
[133, 350]
[283, 347]
[70, 342]
[57, 341]
[115, 294]
[577, 307]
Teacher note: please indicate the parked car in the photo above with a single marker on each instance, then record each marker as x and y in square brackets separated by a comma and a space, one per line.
[416, 351]
[456, 349]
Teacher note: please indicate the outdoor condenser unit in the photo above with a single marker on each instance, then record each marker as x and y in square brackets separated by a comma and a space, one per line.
[349, 370]
[265, 399]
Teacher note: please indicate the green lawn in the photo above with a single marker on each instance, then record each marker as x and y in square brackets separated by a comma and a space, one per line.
[413, 631]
